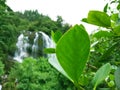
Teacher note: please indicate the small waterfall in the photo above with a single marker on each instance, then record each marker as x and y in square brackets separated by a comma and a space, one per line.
[35, 49]
[22, 46]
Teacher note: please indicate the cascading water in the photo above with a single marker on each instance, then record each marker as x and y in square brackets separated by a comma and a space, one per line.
[22, 46]
[35, 45]
[35, 49]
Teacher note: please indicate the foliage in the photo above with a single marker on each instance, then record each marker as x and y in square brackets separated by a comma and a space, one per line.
[36, 74]
[106, 45]
[104, 50]
[8, 34]
[1, 71]
[117, 77]
[1, 68]
[72, 50]
[96, 18]
[100, 76]
[33, 21]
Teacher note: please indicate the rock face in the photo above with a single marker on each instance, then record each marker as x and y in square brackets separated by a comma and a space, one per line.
[32, 44]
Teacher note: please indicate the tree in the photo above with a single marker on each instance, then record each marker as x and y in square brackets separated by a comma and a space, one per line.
[8, 33]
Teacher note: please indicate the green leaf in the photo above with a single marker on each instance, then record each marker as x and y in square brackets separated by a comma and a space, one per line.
[99, 18]
[52, 34]
[85, 20]
[101, 34]
[56, 36]
[117, 78]
[72, 51]
[105, 8]
[49, 50]
[118, 6]
[101, 74]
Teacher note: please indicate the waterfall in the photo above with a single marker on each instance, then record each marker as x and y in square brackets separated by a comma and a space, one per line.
[22, 46]
[33, 48]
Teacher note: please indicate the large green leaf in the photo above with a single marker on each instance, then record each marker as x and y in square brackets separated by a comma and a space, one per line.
[101, 74]
[101, 34]
[99, 18]
[72, 51]
[117, 78]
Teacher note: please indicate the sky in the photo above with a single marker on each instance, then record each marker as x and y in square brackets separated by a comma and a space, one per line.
[72, 11]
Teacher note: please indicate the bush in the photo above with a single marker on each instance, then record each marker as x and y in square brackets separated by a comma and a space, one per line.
[34, 74]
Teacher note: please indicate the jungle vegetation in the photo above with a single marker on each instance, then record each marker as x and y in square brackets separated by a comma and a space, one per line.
[92, 63]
